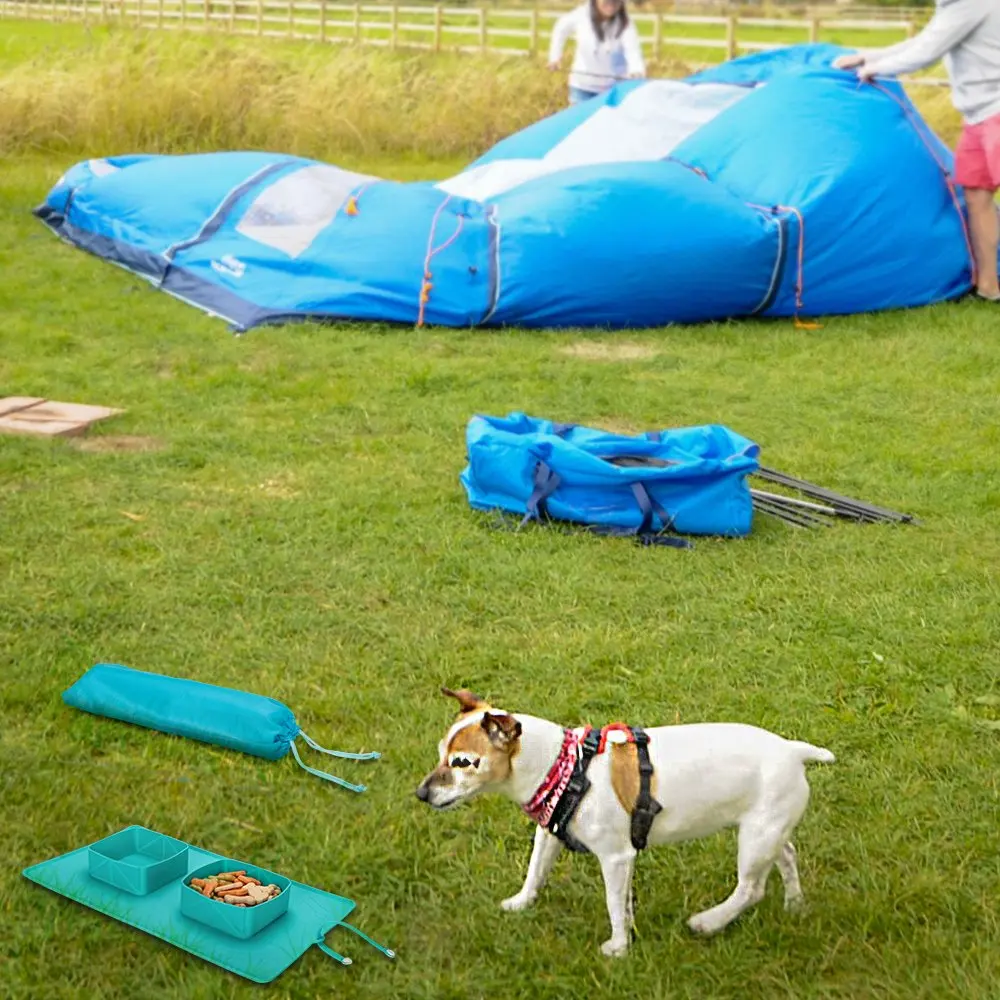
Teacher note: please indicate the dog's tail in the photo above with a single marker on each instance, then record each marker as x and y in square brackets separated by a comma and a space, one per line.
[808, 752]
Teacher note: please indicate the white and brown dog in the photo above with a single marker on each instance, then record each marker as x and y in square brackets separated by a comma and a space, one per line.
[707, 777]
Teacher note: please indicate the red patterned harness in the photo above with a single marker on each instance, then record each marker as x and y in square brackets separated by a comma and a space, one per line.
[563, 787]
[542, 804]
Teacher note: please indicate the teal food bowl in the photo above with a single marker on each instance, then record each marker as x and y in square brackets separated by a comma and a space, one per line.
[236, 921]
[137, 860]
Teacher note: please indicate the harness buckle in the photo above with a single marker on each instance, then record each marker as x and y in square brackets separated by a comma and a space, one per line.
[642, 822]
[646, 807]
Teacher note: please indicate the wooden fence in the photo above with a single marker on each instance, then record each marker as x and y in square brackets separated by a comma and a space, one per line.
[692, 38]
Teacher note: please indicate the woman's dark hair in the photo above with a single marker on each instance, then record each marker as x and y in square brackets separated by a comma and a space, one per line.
[619, 21]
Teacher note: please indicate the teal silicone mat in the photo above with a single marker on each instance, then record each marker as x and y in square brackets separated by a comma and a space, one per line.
[311, 915]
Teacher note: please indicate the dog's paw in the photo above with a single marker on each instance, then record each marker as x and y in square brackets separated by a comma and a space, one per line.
[796, 905]
[515, 903]
[703, 924]
[614, 949]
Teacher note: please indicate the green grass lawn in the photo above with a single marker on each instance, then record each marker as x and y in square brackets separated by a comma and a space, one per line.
[281, 512]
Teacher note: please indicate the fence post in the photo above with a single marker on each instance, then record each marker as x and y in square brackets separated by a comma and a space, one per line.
[814, 30]
[437, 27]
[731, 37]
[534, 30]
[139, 15]
[357, 24]
[290, 29]
[159, 13]
[657, 36]
[322, 20]
[394, 25]
[483, 29]
[232, 16]
[260, 18]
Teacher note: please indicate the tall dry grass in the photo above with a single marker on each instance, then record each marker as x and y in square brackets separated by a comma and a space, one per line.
[936, 107]
[169, 93]
[134, 91]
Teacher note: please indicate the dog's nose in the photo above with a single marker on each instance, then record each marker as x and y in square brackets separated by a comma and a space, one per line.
[423, 793]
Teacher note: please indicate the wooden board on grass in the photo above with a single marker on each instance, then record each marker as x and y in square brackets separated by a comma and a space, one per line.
[47, 417]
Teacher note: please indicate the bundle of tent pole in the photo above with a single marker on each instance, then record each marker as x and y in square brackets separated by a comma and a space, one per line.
[824, 507]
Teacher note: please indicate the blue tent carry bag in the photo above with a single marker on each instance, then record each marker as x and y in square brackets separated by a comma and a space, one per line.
[239, 720]
[690, 480]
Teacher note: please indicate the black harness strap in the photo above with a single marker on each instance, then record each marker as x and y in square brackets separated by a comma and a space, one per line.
[578, 786]
[646, 807]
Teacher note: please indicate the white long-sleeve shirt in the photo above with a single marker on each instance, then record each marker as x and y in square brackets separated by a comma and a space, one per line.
[965, 34]
[597, 64]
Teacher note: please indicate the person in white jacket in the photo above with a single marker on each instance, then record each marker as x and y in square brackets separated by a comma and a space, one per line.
[966, 35]
[607, 47]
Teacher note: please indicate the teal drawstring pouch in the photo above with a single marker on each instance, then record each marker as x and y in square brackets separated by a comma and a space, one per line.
[251, 723]
[140, 876]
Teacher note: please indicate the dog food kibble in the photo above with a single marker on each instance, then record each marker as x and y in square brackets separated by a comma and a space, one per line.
[236, 888]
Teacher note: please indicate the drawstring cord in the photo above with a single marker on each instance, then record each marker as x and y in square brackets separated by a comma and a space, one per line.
[343, 959]
[373, 755]
[334, 955]
[388, 952]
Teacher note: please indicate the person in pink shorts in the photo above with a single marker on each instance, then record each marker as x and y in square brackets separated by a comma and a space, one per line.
[966, 35]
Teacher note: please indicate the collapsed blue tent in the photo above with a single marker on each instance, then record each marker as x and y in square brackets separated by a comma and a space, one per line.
[772, 185]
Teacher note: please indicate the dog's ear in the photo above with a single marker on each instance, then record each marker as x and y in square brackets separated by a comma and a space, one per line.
[467, 701]
[502, 729]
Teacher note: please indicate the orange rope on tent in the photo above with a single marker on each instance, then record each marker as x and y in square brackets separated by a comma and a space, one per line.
[800, 261]
[352, 202]
[432, 251]
[800, 271]
[451, 239]
[687, 166]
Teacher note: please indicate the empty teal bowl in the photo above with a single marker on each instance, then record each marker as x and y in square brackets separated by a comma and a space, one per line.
[236, 921]
[137, 860]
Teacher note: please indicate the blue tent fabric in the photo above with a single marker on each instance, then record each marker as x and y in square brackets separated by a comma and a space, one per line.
[702, 490]
[772, 185]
